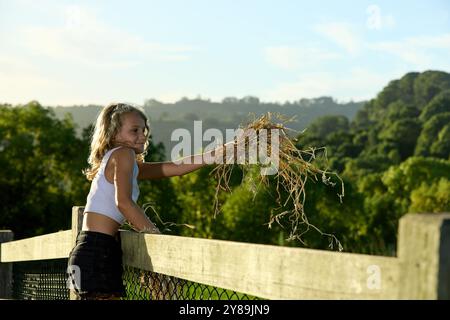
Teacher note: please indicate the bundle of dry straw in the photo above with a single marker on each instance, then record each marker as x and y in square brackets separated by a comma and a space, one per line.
[291, 173]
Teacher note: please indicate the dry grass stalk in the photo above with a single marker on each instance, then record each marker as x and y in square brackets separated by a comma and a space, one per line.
[292, 176]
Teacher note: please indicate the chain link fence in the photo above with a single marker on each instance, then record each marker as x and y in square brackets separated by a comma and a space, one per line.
[47, 280]
[147, 285]
[40, 280]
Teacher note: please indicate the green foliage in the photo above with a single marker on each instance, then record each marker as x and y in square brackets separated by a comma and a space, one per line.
[158, 197]
[403, 135]
[360, 167]
[431, 197]
[344, 220]
[403, 179]
[430, 135]
[246, 213]
[229, 113]
[429, 84]
[325, 125]
[403, 182]
[40, 158]
[397, 145]
[394, 158]
[195, 193]
[400, 110]
[439, 104]
[441, 146]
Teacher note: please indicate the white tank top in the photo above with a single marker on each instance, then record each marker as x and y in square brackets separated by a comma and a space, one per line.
[101, 198]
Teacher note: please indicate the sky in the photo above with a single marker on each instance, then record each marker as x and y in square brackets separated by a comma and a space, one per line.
[96, 52]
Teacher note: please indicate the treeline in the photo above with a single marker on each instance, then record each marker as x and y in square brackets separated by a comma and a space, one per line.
[41, 162]
[229, 113]
[40, 170]
[394, 158]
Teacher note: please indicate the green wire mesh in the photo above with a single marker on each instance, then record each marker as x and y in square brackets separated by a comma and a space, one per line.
[47, 280]
[40, 280]
[147, 285]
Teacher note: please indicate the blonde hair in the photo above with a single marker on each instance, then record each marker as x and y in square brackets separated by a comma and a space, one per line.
[108, 124]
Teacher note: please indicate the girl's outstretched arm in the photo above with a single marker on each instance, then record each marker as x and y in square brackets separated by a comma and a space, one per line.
[158, 170]
[123, 162]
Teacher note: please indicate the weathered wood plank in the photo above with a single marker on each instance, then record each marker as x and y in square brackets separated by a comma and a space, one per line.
[50, 246]
[265, 271]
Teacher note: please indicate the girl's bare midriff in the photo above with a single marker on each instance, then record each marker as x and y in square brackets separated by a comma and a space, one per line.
[99, 223]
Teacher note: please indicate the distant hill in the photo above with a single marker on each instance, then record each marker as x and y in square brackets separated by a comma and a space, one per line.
[410, 117]
[230, 113]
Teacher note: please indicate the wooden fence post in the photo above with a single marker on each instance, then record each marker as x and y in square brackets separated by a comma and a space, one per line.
[6, 272]
[77, 223]
[424, 255]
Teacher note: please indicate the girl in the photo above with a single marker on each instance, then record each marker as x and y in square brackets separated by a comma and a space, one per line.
[116, 161]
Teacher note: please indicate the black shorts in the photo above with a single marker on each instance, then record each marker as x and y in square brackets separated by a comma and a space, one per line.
[95, 265]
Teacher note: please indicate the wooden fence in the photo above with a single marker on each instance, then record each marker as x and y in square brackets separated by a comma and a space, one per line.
[421, 269]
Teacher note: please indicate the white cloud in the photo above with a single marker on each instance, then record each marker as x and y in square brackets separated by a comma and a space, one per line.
[415, 51]
[294, 57]
[358, 84]
[76, 43]
[85, 39]
[342, 34]
[431, 42]
[10, 63]
[20, 82]
[409, 55]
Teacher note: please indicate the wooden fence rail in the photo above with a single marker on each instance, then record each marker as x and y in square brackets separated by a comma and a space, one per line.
[420, 271]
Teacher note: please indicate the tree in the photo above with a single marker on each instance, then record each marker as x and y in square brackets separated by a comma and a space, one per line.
[431, 197]
[430, 134]
[399, 110]
[247, 211]
[441, 147]
[195, 194]
[250, 100]
[429, 84]
[439, 104]
[190, 117]
[362, 119]
[149, 103]
[325, 125]
[363, 165]
[404, 133]
[230, 100]
[40, 170]
[403, 179]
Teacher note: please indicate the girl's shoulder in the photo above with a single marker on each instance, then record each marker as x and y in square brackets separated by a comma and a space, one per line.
[120, 160]
[123, 155]
[123, 152]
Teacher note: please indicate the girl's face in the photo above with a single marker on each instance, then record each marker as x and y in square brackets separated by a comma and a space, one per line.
[132, 132]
